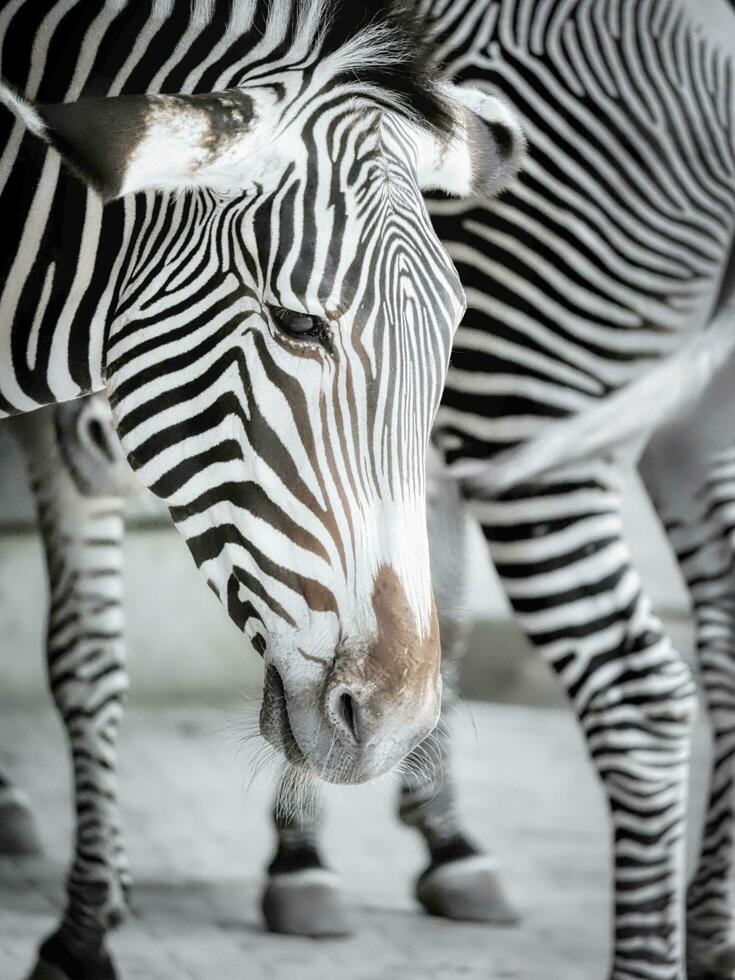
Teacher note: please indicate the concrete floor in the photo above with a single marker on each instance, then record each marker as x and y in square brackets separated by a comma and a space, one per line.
[199, 838]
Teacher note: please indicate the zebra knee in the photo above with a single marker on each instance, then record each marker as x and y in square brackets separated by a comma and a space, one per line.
[715, 635]
[647, 713]
[97, 903]
[19, 834]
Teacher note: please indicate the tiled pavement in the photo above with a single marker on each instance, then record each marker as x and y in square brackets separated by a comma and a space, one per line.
[199, 838]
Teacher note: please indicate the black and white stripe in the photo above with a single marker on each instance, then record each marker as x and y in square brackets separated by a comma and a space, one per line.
[292, 460]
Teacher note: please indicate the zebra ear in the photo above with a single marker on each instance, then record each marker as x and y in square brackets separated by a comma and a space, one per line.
[152, 142]
[485, 152]
[98, 138]
[122, 144]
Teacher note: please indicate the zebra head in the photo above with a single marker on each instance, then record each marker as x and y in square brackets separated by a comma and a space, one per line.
[276, 352]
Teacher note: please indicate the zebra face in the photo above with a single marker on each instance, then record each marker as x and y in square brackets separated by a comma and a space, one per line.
[274, 360]
[295, 472]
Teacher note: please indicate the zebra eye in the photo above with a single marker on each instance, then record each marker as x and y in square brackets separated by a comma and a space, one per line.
[299, 325]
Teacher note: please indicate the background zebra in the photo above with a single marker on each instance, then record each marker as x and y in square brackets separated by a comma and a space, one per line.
[274, 340]
[606, 252]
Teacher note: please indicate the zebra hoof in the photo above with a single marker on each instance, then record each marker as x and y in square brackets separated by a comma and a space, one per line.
[18, 831]
[467, 889]
[57, 962]
[719, 965]
[305, 903]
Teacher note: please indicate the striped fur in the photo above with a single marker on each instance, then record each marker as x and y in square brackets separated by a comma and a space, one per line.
[600, 261]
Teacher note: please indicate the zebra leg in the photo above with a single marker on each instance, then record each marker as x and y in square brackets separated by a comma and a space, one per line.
[460, 882]
[707, 568]
[702, 542]
[82, 534]
[18, 831]
[302, 896]
[689, 471]
[559, 549]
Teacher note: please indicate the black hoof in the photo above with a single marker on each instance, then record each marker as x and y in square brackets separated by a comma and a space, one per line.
[467, 889]
[18, 832]
[305, 903]
[57, 962]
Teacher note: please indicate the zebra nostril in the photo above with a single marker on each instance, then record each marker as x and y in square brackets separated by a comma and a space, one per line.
[348, 713]
[343, 711]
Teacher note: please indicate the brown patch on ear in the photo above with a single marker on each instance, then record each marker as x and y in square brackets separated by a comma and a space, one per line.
[97, 137]
[404, 661]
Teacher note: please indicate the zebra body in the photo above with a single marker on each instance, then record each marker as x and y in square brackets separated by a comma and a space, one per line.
[605, 256]
[264, 300]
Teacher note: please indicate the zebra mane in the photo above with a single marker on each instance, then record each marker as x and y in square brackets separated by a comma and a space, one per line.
[389, 49]
[382, 47]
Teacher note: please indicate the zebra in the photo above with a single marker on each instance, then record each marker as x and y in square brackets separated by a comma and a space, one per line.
[238, 253]
[608, 252]
[612, 250]
[76, 446]
[604, 256]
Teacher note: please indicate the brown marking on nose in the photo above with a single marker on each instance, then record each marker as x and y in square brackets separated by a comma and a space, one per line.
[404, 662]
[392, 685]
